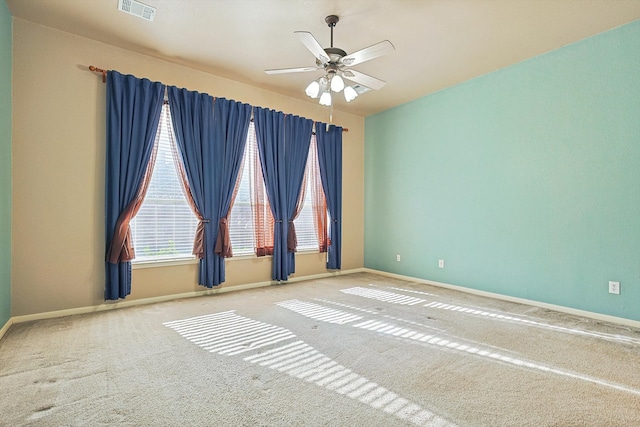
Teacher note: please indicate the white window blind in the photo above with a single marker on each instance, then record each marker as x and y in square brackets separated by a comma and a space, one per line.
[241, 216]
[241, 220]
[165, 225]
[305, 228]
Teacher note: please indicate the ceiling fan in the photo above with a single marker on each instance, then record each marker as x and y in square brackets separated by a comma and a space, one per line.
[335, 62]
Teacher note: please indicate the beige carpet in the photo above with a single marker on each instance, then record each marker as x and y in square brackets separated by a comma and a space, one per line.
[355, 350]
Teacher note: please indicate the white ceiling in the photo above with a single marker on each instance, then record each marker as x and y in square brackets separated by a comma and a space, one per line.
[439, 43]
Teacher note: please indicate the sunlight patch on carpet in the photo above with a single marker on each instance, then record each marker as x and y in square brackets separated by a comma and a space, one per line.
[351, 307]
[385, 296]
[476, 350]
[319, 312]
[227, 333]
[528, 322]
[411, 291]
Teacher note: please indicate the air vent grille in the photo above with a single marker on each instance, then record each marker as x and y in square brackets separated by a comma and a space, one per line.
[138, 9]
[360, 89]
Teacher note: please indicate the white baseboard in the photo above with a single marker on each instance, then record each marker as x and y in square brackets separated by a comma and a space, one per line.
[560, 308]
[323, 275]
[163, 298]
[6, 327]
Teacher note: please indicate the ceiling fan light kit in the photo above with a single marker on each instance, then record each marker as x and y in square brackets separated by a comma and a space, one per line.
[325, 98]
[313, 90]
[334, 62]
[337, 84]
[350, 93]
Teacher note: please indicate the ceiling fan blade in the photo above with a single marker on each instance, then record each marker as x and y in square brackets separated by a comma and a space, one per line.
[368, 53]
[291, 70]
[312, 44]
[363, 79]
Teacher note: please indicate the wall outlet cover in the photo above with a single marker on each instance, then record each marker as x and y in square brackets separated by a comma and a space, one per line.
[614, 288]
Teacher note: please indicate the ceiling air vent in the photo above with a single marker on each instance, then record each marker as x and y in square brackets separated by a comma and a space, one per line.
[137, 9]
[360, 89]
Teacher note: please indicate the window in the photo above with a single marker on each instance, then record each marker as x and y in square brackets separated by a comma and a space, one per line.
[305, 225]
[251, 210]
[250, 219]
[164, 227]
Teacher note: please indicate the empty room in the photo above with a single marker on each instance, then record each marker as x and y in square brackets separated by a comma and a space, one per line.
[320, 213]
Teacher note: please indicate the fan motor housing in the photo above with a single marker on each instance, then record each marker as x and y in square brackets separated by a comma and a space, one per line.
[335, 54]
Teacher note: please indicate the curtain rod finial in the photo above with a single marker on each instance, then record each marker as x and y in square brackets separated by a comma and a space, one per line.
[99, 70]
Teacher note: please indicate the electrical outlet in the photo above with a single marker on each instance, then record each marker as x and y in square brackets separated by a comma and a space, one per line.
[440, 263]
[614, 288]
[398, 258]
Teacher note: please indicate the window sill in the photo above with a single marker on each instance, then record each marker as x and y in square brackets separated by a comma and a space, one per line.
[163, 263]
[246, 257]
[254, 256]
[308, 251]
[193, 260]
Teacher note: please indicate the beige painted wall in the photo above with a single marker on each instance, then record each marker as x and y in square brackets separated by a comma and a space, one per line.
[58, 172]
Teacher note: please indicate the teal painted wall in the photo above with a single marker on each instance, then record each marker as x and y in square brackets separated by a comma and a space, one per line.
[5, 163]
[526, 181]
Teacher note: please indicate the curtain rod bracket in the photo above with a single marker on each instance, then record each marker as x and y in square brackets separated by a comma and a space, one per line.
[99, 70]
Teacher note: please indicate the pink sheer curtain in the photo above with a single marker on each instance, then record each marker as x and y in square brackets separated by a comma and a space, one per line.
[260, 209]
[223, 242]
[263, 222]
[292, 240]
